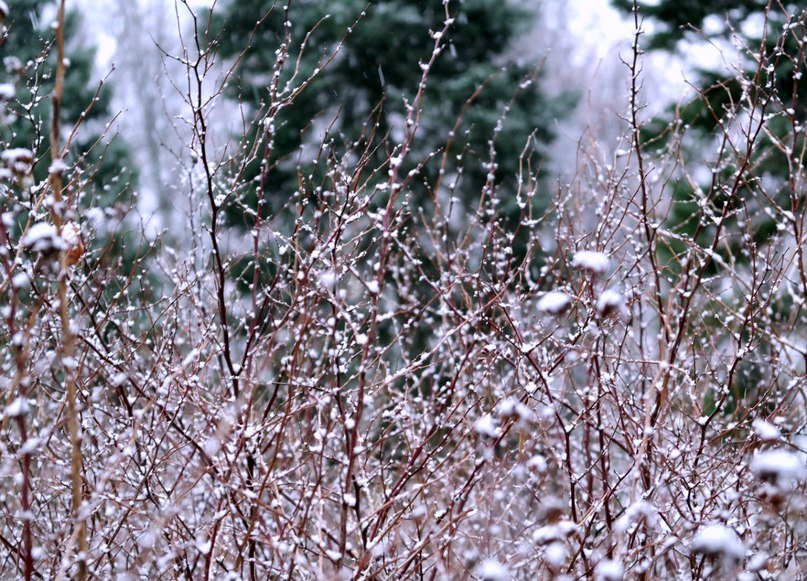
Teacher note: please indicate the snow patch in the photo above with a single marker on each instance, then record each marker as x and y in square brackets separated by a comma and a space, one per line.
[41, 237]
[486, 426]
[591, 261]
[610, 302]
[554, 302]
[7, 91]
[608, 570]
[492, 570]
[778, 466]
[18, 407]
[718, 541]
[765, 431]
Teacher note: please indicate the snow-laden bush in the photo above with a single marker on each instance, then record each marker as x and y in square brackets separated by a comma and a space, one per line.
[363, 385]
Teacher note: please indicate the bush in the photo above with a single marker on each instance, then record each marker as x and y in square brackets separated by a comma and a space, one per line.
[365, 386]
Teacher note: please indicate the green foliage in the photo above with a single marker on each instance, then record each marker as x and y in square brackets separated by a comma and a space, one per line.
[775, 86]
[678, 19]
[378, 65]
[30, 66]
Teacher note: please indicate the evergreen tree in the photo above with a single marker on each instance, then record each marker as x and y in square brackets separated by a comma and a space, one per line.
[27, 78]
[769, 85]
[777, 41]
[378, 64]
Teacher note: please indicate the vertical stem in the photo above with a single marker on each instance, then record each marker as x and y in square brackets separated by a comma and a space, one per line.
[68, 336]
[25, 503]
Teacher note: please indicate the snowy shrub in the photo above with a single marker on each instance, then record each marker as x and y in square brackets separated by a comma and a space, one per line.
[363, 384]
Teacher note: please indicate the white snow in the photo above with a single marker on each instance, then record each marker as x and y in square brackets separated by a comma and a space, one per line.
[592, 261]
[147, 539]
[57, 167]
[18, 407]
[486, 426]
[610, 301]
[40, 237]
[554, 302]
[212, 446]
[554, 532]
[765, 431]
[71, 235]
[537, 463]
[718, 540]
[779, 466]
[15, 154]
[119, 379]
[635, 513]
[555, 555]
[18, 160]
[328, 279]
[608, 570]
[757, 562]
[510, 407]
[7, 91]
[492, 570]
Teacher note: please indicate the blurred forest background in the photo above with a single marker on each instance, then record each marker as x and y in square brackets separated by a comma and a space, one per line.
[571, 47]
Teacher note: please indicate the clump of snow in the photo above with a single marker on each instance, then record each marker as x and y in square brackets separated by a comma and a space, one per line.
[765, 431]
[147, 539]
[635, 513]
[554, 302]
[591, 261]
[212, 446]
[779, 467]
[328, 279]
[552, 510]
[718, 541]
[119, 379]
[537, 463]
[7, 91]
[610, 302]
[757, 562]
[608, 570]
[18, 407]
[41, 237]
[554, 532]
[18, 160]
[486, 426]
[492, 570]
[71, 235]
[13, 65]
[512, 408]
[58, 167]
[555, 555]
